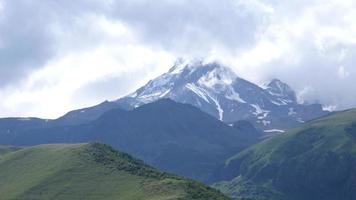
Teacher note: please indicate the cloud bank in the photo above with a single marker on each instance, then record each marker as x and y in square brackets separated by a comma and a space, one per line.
[60, 55]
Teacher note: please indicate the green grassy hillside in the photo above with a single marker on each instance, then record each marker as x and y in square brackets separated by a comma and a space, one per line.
[89, 171]
[314, 162]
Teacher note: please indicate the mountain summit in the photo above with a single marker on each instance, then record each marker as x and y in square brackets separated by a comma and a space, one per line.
[217, 90]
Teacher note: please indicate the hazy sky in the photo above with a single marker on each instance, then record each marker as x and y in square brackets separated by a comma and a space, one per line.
[57, 55]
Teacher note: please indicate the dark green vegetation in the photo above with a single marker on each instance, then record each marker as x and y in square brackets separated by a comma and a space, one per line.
[171, 136]
[314, 162]
[89, 171]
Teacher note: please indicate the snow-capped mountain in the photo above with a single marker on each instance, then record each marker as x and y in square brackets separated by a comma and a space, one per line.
[217, 90]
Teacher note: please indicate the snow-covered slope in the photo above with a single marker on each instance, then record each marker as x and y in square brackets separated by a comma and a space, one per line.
[217, 90]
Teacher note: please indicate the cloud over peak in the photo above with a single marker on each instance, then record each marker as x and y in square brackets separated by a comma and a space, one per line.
[61, 55]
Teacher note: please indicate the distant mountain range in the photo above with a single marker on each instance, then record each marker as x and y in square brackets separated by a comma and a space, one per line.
[89, 171]
[218, 91]
[172, 136]
[314, 162]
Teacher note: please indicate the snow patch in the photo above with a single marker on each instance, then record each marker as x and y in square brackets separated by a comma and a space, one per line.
[151, 95]
[197, 91]
[234, 96]
[330, 108]
[266, 122]
[179, 66]
[274, 130]
[274, 94]
[259, 111]
[164, 93]
[291, 112]
[282, 103]
[219, 76]
[264, 115]
[205, 95]
[300, 120]
[218, 107]
[146, 98]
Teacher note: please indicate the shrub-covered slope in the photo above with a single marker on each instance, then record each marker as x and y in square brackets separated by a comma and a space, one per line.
[314, 162]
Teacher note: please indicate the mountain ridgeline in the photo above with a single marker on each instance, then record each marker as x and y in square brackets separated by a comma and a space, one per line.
[171, 136]
[89, 171]
[314, 162]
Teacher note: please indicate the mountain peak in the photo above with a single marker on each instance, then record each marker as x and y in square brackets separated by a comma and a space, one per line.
[182, 64]
[276, 83]
[186, 67]
[278, 88]
[217, 90]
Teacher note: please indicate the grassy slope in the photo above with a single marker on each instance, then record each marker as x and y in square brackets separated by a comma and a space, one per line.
[89, 171]
[316, 161]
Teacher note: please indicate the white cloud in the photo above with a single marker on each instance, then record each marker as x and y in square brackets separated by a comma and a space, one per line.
[342, 72]
[80, 53]
[1, 6]
[51, 90]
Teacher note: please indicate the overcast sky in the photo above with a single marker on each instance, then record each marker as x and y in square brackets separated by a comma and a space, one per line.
[58, 55]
